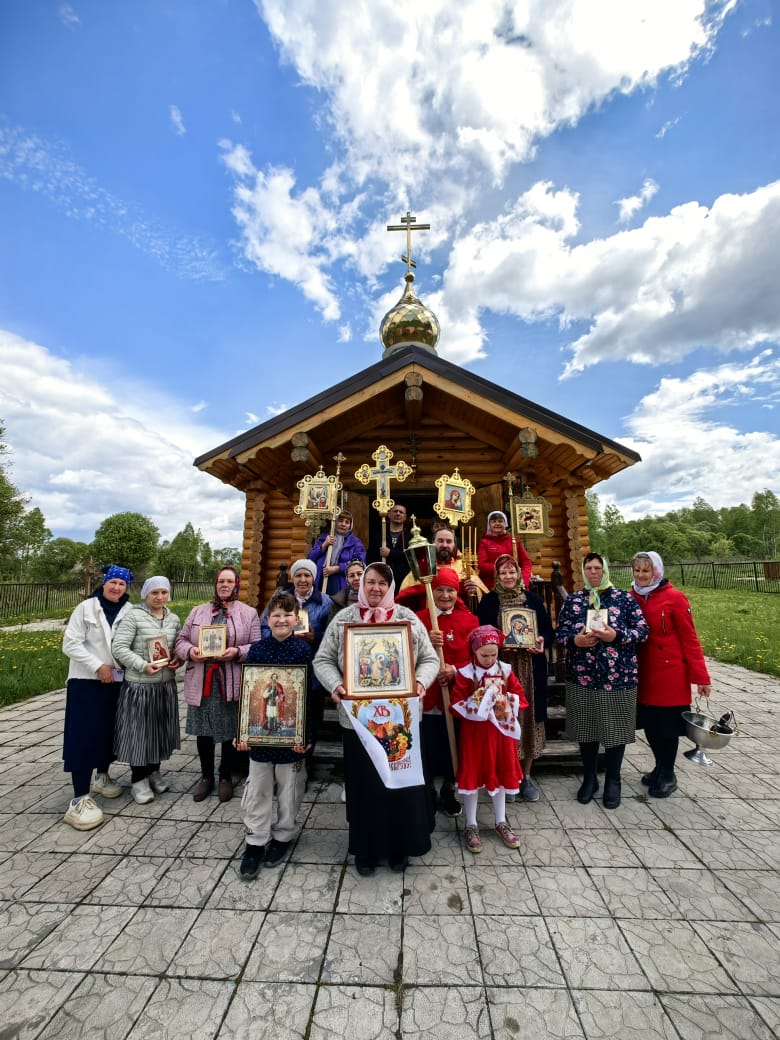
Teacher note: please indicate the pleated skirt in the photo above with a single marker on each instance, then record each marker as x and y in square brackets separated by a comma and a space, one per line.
[147, 723]
[383, 824]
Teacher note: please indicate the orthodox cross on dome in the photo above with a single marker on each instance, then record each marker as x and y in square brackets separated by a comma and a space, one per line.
[408, 224]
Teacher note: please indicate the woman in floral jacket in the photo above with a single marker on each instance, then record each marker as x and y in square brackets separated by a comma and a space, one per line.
[601, 628]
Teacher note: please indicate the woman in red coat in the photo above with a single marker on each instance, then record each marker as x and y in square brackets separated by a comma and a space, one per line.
[497, 541]
[670, 662]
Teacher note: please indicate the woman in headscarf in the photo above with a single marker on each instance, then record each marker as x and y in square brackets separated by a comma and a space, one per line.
[497, 541]
[384, 824]
[345, 546]
[93, 690]
[147, 717]
[212, 685]
[528, 664]
[670, 662]
[601, 674]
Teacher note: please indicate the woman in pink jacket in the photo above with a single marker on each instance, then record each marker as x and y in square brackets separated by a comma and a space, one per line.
[670, 662]
[212, 685]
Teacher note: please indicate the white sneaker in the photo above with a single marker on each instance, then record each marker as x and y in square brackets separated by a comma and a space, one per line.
[83, 814]
[156, 782]
[142, 792]
[103, 784]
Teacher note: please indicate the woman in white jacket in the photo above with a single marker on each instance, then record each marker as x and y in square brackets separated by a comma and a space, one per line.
[93, 690]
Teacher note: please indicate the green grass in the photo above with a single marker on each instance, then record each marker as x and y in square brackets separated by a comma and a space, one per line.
[738, 627]
[33, 662]
[734, 627]
[30, 663]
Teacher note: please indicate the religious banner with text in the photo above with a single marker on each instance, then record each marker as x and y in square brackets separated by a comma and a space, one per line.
[389, 730]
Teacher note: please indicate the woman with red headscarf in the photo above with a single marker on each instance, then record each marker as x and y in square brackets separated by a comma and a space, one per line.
[212, 685]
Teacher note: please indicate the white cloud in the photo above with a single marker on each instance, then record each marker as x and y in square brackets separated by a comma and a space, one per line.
[630, 206]
[199, 406]
[81, 453]
[698, 277]
[37, 165]
[478, 80]
[176, 119]
[68, 16]
[668, 125]
[687, 451]
[273, 410]
[252, 419]
[283, 233]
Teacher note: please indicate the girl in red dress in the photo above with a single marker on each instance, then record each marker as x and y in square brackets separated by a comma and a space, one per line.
[487, 696]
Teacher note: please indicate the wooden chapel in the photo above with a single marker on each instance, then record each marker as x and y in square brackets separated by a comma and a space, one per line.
[433, 415]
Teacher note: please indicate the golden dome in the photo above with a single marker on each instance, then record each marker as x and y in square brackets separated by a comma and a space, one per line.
[409, 323]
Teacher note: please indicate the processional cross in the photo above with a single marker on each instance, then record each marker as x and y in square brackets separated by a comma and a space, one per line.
[383, 473]
[406, 225]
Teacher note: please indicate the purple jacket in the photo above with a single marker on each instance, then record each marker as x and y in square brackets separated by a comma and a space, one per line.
[243, 629]
[352, 549]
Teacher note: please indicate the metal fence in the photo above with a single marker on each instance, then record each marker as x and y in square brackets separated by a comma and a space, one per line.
[31, 599]
[753, 575]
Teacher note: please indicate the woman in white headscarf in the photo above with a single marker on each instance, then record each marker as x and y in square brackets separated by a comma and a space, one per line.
[384, 824]
[670, 662]
[147, 718]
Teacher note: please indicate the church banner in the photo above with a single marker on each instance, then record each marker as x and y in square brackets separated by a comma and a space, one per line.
[389, 730]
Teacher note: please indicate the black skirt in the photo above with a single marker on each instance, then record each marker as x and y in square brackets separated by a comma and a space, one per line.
[383, 824]
[90, 715]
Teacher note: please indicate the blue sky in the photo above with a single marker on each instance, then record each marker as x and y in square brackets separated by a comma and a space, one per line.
[193, 200]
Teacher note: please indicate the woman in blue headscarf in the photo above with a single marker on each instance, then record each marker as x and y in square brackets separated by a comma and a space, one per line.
[91, 700]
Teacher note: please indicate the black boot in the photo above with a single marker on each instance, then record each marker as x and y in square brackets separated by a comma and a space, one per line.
[613, 760]
[589, 752]
[649, 779]
[612, 793]
[665, 784]
[588, 788]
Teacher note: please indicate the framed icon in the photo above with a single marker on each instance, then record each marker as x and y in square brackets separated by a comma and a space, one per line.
[318, 496]
[212, 640]
[454, 502]
[157, 649]
[379, 661]
[302, 625]
[520, 627]
[272, 706]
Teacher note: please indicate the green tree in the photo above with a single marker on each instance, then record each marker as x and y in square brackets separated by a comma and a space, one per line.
[127, 539]
[12, 506]
[766, 520]
[186, 557]
[230, 556]
[595, 528]
[59, 560]
[31, 536]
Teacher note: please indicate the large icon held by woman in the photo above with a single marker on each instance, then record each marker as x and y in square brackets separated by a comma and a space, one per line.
[378, 661]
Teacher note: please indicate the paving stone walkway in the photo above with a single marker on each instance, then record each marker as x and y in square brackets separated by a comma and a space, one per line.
[661, 919]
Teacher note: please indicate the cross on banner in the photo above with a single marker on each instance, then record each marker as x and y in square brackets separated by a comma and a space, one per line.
[383, 473]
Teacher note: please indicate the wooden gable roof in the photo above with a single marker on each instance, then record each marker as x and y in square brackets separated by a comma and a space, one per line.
[457, 418]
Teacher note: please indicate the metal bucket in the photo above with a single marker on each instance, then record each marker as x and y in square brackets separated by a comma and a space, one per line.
[707, 733]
